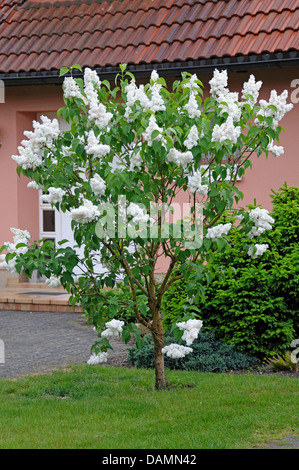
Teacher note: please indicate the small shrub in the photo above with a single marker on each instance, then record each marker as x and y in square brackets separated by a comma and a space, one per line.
[282, 363]
[209, 355]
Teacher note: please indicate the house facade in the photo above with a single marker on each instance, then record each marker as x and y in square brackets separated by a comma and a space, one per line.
[39, 37]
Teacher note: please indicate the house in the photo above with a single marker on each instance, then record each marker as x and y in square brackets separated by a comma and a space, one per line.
[38, 37]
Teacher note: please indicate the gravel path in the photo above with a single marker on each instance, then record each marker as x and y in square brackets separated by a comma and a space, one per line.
[37, 342]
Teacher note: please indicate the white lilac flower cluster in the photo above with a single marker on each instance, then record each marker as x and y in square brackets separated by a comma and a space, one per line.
[113, 328]
[133, 214]
[218, 231]
[138, 214]
[276, 150]
[85, 213]
[94, 147]
[91, 76]
[153, 126]
[191, 329]
[136, 94]
[99, 358]
[195, 185]
[226, 131]
[250, 91]
[260, 250]
[133, 94]
[180, 158]
[71, 89]
[176, 351]
[227, 101]
[43, 136]
[98, 185]
[34, 185]
[192, 138]
[97, 112]
[262, 221]
[192, 105]
[218, 82]
[19, 236]
[54, 196]
[53, 281]
[277, 113]
[156, 101]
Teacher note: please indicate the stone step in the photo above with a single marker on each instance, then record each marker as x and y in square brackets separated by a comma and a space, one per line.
[35, 297]
[14, 283]
[32, 286]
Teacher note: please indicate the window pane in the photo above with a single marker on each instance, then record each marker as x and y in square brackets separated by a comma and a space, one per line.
[49, 221]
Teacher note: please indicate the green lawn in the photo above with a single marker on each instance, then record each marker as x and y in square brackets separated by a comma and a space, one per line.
[117, 408]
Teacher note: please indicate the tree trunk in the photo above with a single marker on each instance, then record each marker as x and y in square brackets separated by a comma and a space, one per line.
[161, 382]
[158, 336]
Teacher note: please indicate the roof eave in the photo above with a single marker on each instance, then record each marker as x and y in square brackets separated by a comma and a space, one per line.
[235, 64]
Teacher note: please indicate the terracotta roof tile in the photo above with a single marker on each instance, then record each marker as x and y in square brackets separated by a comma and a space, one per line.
[45, 35]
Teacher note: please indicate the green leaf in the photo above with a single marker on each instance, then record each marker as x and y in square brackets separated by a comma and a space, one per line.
[61, 242]
[76, 66]
[21, 245]
[63, 71]
[221, 243]
[126, 336]
[105, 344]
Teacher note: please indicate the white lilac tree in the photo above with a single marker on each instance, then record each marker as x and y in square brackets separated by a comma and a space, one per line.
[118, 171]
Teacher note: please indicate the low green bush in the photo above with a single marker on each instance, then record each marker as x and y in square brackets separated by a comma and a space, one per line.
[208, 355]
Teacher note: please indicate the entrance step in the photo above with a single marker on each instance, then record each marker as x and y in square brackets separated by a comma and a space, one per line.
[35, 297]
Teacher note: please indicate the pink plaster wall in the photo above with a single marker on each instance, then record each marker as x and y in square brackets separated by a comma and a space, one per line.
[8, 187]
[19, 204]
[27, 205]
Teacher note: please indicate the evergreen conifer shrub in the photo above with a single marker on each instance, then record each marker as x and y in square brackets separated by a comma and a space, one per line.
[209, 355]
